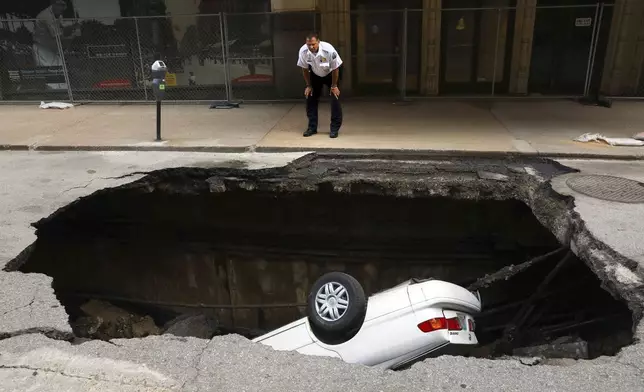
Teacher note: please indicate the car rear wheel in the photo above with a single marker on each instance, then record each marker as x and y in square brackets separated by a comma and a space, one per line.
[336, 307]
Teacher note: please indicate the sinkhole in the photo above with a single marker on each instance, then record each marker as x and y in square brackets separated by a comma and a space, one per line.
[244, 260]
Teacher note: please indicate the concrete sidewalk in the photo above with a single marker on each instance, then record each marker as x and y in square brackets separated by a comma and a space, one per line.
[525, 127]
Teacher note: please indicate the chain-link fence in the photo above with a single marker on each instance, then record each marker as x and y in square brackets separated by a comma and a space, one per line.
[30, 64]
[561, 57]
[101, 58]
[262, 54]
[404, 53]
[476, 51]
[378, 56]
[193, 49]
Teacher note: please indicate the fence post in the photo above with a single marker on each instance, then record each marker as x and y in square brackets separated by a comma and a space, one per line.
[599, 15]
[59, 44]
[223, 26]
[496, 50]
[403, 76]
[138, 42]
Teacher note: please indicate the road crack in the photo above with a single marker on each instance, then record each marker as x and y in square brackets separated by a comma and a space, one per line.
[78, 187]
[20, 307]
[196, 366]
[138, 173]
[95, 378]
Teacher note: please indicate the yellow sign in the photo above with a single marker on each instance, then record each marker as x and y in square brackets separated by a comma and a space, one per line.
[461, 24]
[171, 79]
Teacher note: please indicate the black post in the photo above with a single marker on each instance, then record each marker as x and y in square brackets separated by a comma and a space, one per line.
[158, 121]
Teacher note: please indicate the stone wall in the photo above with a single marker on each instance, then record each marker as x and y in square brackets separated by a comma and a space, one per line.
[336, 29]
[625, 52]
[522, 46]
[431, 47]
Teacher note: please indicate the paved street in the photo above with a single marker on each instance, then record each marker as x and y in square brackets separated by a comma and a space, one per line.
[231, 363]
[34, 326]
[527, 127]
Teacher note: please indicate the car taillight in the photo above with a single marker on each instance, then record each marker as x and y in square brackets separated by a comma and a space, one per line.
[472, 325]
[453, 324]
[433, 324]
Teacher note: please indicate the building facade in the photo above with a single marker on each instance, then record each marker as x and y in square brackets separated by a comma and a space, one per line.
[101, 49]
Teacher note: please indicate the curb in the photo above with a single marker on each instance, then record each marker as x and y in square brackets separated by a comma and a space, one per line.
[380, 153]
[222, 149]
[423, 153]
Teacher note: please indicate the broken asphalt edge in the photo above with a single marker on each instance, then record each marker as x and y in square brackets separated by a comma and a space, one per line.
[555, 211]
[605, 262]
[407, 153]
[51, 333]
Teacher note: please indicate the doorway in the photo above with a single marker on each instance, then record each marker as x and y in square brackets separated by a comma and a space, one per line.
[561, 46]
[476, 46]
[378, 32]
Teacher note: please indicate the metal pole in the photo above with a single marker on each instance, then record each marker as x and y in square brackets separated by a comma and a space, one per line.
[158, 121]
[496, 49]
[138, 41]
[59, 43]
[591, 50]
[223, 52]
[223, 26]
[403, 76]
[598, 27]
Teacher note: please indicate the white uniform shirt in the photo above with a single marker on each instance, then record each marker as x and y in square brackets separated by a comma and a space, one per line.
[323, 62]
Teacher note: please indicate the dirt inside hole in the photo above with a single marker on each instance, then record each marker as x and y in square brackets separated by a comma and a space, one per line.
[127, 263]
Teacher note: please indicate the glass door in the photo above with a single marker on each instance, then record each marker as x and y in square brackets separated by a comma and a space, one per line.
[476, 43]
[377, 44]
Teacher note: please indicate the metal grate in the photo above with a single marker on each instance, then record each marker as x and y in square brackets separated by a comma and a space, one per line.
[609, 188]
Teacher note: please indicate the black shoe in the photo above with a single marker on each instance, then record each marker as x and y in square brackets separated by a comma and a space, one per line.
[310, 132]
[333, 134]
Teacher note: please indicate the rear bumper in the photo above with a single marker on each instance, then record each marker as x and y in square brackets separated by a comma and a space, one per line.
[466, 335]
[439, 294]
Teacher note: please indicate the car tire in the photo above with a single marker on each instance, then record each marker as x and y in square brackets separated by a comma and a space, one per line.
[336, 307]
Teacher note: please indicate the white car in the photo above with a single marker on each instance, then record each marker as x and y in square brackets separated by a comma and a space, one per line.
[393, 328]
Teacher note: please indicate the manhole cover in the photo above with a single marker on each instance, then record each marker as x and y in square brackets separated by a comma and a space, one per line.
[609, 188]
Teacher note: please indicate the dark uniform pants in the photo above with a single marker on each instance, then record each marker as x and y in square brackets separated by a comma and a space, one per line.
[317, 84]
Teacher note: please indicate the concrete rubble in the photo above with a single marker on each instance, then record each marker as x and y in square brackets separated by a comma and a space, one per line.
[105, 321]
[195, 325]
[560, 348]
[36, 352]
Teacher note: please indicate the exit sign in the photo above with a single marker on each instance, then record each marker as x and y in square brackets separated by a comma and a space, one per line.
[583, 22]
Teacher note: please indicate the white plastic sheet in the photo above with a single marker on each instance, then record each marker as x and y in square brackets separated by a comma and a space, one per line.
[613, 141]
[55, 105]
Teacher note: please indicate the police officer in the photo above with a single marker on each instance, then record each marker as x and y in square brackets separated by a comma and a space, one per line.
[321, 65]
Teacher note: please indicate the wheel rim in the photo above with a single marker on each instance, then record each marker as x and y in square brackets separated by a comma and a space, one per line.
[331, 301]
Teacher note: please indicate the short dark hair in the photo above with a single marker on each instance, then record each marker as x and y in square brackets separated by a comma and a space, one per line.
[313, 35]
